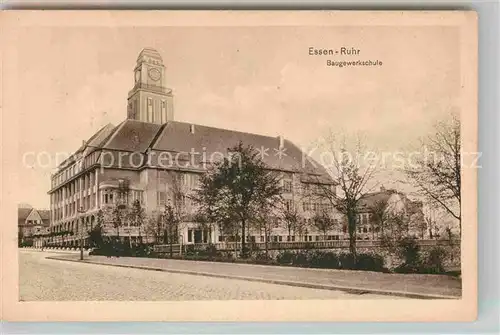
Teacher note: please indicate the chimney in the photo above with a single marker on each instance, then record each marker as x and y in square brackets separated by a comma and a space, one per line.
[282, 141]
[191, 128]
[83, 143]
[382, 188]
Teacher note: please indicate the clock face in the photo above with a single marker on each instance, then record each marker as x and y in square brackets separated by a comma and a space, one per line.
[154, 74]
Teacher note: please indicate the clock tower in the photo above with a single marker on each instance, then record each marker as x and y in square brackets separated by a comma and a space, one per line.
[150, 100]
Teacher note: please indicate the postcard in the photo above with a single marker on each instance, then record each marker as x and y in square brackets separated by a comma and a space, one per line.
[239, 165]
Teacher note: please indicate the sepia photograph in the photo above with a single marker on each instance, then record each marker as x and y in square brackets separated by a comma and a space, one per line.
[214, 157]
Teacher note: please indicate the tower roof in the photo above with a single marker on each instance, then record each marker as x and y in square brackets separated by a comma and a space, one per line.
[148, 53]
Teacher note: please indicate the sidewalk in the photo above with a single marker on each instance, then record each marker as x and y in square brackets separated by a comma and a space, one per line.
[407, 285]
[57, 251]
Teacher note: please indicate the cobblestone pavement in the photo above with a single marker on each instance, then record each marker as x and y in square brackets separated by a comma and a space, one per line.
[434, 285]
[53, 280]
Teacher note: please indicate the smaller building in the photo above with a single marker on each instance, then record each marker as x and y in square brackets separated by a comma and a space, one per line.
[391, 210]
[31, 223]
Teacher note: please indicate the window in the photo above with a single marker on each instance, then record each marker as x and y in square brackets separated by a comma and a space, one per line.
[306, 206]
[163, 113]
[365, 230]
[261, 239]
[280, 238]
[287, 186]
[276, 223]
[289, 204]
[161, 198]
[275, 238]
[150, 116]
[293, 238]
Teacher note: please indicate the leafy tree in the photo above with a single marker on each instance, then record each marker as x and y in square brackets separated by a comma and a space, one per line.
[20, 238]
[238, 187]
[117, 219]
[137, 216]
[100, 218]
[96, 236]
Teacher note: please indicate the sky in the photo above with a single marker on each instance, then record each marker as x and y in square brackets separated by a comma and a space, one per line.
[74, 80]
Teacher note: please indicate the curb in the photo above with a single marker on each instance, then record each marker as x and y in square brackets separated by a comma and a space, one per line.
[347, 289]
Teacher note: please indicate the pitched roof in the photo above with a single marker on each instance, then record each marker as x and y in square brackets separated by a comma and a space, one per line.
[177, 137]
[45, 215]
[137, 136]
[132, 135]
[93, 143]
[22, 215]
[369, 200]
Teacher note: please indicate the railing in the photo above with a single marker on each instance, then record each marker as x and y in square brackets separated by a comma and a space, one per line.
[165, 248]
[339, 244]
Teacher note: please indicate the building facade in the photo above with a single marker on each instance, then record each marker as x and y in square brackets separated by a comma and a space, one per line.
[31, 223]
[152, 158]
[391, 210]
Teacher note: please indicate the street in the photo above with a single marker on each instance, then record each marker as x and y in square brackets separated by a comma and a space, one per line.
[43, 279]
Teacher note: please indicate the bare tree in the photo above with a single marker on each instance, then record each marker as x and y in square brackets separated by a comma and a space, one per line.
[264, 224]
[351, 170]
[178, 199]
[379, 216]
[290, 217]
[431, 216]
[437, 174]
[154, 226]
[323, 222]
[171, 224]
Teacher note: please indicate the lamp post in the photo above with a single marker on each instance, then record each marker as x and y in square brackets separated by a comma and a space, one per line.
[81, 211]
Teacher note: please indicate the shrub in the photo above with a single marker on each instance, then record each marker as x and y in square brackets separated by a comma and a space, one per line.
[370, 262]
[409, 251]
[346, 261]
[434, 262]
[300, 258]
[285, 257]
[324, 260]
[262, 258]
